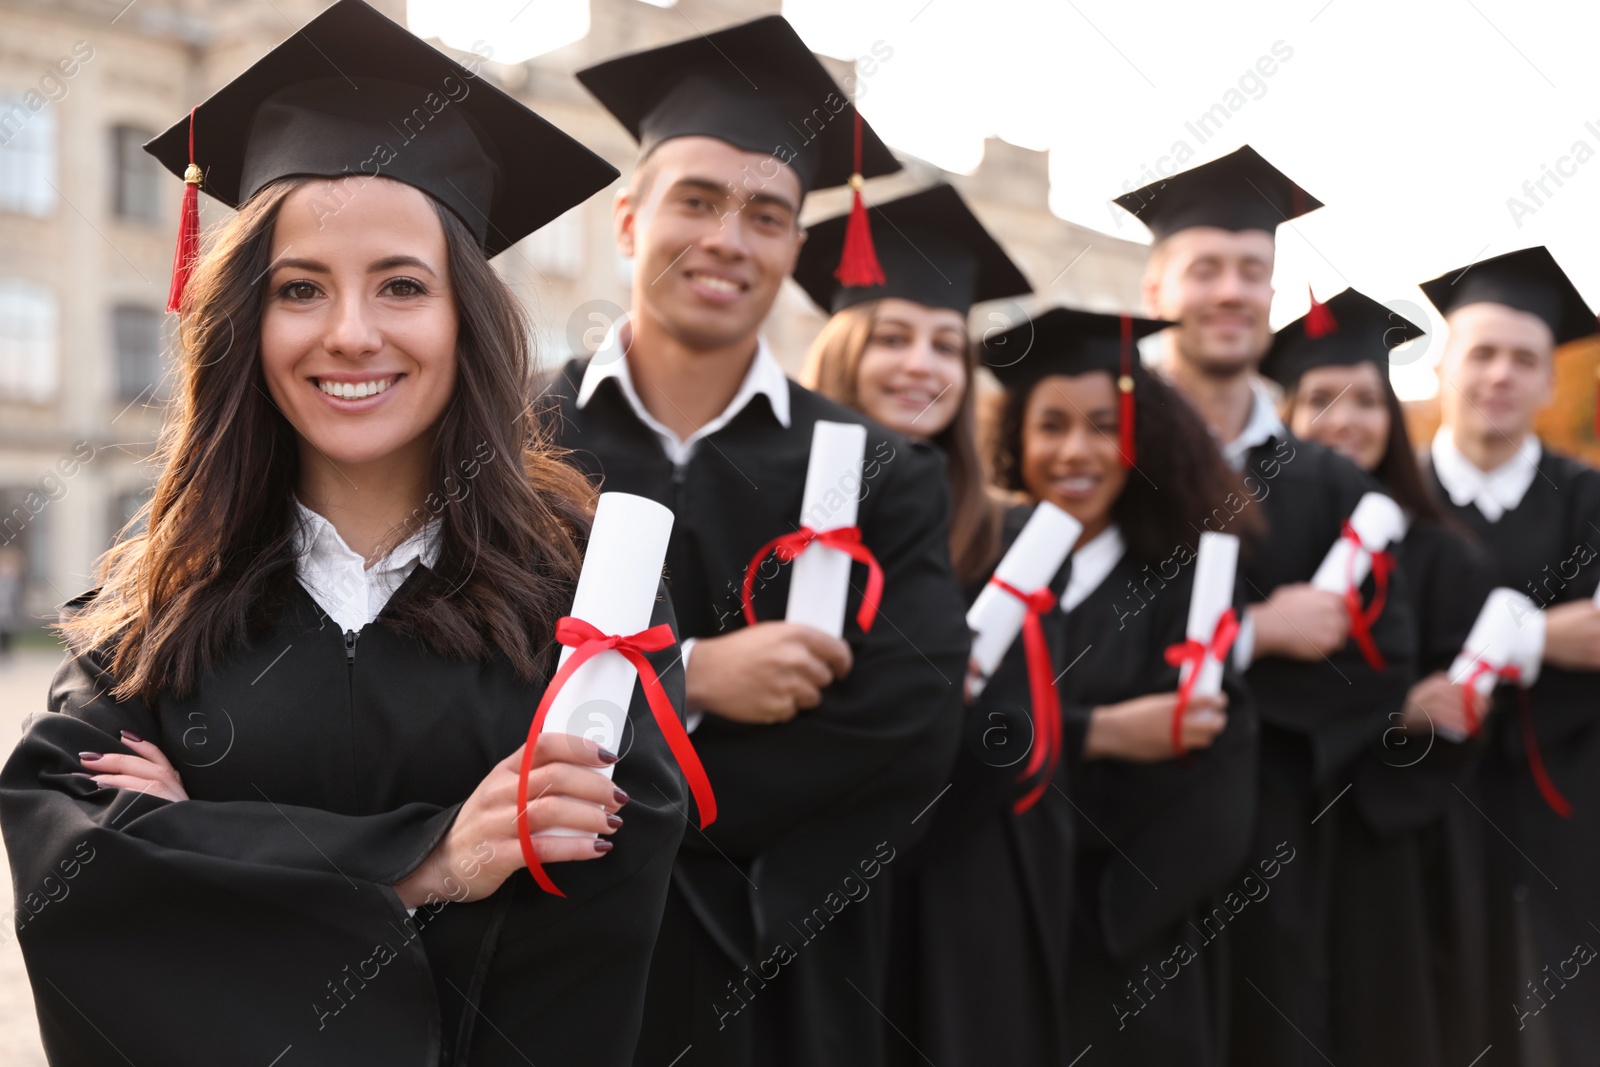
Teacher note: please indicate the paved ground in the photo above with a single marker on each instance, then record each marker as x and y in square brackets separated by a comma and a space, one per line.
[23, 680]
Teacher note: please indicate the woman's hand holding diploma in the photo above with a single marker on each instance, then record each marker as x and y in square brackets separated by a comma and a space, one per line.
[481, 849]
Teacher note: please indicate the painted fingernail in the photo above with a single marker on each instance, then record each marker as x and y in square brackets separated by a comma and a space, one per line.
[86, 756]
[603, 846]
[614, 821]
[129, 735]
[607, 756]
[619, 796]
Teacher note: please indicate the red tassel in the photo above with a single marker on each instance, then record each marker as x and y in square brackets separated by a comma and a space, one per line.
[1125, 387]
[1319, 320]
[858, 262]
[188, 249]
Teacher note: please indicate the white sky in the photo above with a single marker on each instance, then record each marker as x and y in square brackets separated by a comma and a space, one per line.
[1413, 120]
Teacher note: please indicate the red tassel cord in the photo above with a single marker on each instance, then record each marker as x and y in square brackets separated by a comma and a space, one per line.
[1319, 320]
[858, 262]
[1125, 427]
[188, 249]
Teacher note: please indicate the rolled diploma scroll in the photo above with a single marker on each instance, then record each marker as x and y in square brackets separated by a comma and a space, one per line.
[819, 586]
[1212, 595]
[1380, 522]
[995, 618]
[616, 594]
[1509, 630]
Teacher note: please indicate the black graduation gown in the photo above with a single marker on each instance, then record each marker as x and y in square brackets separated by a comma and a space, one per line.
[1407, 901]
[256, 919]
[1543, 871]
[1317, 720]
[1160, 845]
[982, 905]
[774, 943]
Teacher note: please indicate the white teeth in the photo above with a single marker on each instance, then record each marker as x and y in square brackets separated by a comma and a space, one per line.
[355, 390]
[713, 282]
[1078, 485]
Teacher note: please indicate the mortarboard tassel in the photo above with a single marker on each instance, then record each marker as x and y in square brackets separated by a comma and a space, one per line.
[1319, 320]
[858, 262]
[188, 228]
[1125, 387]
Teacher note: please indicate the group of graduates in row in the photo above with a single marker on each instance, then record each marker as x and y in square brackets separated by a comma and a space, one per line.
[272, 808]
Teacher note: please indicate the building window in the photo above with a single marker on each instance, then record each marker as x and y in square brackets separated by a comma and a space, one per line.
[27, 157]
[28, 367]
[137, 341]
[557, 246]
[137, 175]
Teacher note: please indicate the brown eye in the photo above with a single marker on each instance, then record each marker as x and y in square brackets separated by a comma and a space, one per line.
[298, 290]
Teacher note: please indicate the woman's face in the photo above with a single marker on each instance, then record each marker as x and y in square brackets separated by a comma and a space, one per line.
[912, 375]
[1345, 409]
[358, 330]
[1070, 453]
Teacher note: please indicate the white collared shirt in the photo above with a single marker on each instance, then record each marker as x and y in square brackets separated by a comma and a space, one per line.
[1262, 426]
[765, 378]
[1091, 563]
[1494, 492]
[338, 578]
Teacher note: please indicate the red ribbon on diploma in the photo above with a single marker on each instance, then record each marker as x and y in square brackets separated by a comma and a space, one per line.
[1192, 653]
[1361, 620]
[1530, 742]
[587, 642]
[846, 539]
[1046, 712]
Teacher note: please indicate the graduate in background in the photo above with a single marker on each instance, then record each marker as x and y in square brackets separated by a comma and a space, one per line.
[1159, 834]
[1320, 699]
[958, 991]
[1423, 920]
[277, 777]
[822, 751]
[899, 352]
[1538, 513]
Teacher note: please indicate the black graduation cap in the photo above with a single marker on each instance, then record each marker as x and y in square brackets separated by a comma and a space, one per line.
[756, 86]
[356, 93]
[1528, 279]
[1067, 341]
[933, 250]
[1240, 191]
[1349, 328]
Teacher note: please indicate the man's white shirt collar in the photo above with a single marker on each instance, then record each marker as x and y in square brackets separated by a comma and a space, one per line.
[1091, 563]
[1262, 426]
[338, 578]
[1494, 492]
[764, 378]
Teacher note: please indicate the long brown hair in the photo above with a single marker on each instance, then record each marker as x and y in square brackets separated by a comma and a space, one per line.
[832, 369]
[215, 560]
[1181, 482]
[1397, 471]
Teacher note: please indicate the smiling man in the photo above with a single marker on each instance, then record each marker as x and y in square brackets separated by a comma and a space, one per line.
[822, 751]
[1322, 704]
[1538, 514]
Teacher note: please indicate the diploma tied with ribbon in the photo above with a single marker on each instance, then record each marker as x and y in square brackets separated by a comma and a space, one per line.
[605, 638]
[1375, 524]
[1211, 629]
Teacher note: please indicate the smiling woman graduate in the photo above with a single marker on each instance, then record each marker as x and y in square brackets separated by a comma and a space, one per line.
[279, 763]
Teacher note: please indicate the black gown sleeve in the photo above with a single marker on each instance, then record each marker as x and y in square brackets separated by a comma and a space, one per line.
[886, 730]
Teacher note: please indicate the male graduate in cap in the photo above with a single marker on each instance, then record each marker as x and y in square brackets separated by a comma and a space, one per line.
[1538, 513]
[822, 751]
[1322, 691]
